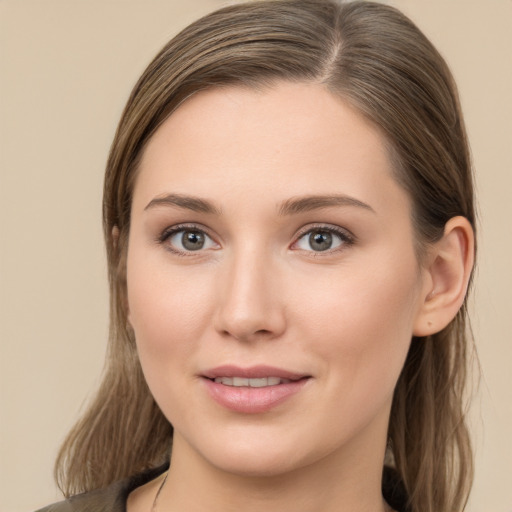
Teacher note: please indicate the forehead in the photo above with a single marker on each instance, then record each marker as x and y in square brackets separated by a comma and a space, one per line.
[291, 139]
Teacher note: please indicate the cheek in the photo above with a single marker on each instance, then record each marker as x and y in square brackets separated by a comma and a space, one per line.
[363, 326]
[168, 311]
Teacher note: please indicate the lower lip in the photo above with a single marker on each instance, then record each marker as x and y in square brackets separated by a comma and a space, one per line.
[253, 400]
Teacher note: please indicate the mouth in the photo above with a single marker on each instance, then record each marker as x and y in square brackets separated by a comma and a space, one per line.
[239, 382]
[252, 390]
[255, 376]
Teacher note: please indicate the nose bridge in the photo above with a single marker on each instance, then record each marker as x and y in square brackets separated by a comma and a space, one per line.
[249, 303]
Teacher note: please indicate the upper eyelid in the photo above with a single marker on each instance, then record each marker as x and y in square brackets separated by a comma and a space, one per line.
[327, 227]
[169, 230]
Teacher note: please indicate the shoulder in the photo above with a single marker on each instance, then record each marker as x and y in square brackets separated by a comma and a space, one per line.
[62, 506]
[109, 499]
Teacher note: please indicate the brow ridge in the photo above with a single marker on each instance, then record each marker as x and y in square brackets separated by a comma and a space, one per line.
[195, 204]
[315, 202]
[291, 206]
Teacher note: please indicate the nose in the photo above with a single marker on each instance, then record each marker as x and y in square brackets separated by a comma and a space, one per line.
[250, 304]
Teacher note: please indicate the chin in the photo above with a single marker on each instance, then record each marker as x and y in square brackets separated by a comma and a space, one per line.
[263, 456]
[250, 455]
[258, 465]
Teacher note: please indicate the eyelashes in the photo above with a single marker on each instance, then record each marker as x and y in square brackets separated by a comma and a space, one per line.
[317, 239]
[323, 238]
[187, 238]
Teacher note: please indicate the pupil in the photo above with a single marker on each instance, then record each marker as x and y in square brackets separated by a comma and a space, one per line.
[320, 241]
[192, 240]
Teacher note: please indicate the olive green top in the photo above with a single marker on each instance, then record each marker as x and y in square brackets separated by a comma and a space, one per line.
[111, 499]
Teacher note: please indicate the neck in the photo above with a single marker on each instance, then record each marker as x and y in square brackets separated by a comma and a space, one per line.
[327, 485]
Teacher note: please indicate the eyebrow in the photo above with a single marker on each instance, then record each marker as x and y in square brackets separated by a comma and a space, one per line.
[288, 207]
[308, 203]
[195, 204]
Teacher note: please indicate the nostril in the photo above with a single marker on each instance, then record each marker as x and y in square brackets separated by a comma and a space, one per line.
[263, 332]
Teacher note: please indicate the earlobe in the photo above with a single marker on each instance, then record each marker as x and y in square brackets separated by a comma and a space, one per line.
[449, 269]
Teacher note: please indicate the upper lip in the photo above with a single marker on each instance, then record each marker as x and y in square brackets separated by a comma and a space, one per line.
[253, 372]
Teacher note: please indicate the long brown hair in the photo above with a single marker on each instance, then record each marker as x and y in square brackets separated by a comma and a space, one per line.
[374, 57]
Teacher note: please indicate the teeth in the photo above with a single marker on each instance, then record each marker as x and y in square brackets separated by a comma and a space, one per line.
[252, 383]
[261, 383]
[228, 381]
[240, 381]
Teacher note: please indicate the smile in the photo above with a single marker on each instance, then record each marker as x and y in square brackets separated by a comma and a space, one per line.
[253, 390]
[251, 383]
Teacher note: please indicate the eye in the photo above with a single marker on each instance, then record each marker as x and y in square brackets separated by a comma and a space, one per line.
[323, 239]
[183, 240]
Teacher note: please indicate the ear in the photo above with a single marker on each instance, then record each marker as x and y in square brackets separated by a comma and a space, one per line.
[447, 274]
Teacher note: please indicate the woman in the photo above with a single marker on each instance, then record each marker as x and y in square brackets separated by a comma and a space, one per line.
[289, 219]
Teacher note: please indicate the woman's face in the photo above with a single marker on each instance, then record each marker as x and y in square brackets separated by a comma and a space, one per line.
[272, 281]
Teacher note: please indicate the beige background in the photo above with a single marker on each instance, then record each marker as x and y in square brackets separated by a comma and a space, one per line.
[66, 68]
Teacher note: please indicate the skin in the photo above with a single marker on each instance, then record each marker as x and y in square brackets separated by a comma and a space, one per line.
[257, 293]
